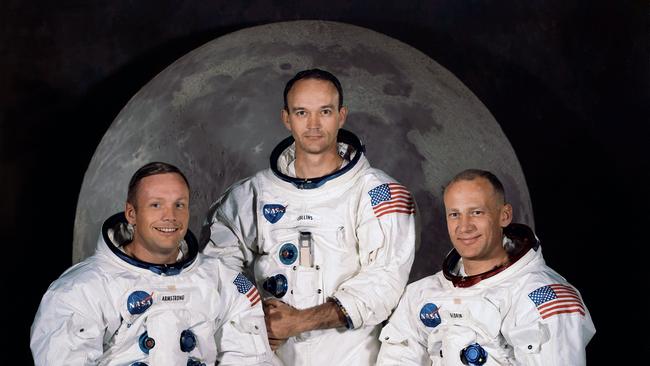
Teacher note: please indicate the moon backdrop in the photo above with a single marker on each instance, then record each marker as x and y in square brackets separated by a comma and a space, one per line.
[215, 113]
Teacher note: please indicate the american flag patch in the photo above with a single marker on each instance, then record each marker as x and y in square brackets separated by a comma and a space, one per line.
[389, 198]
[244, 286]
[557, 299]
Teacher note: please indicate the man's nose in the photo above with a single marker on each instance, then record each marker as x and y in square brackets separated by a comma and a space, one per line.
[169, 213]
[313, 120]
[465, 224]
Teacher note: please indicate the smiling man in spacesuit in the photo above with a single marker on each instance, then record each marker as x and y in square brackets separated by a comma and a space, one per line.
[329, 239]
[495, 302]
[147, 297]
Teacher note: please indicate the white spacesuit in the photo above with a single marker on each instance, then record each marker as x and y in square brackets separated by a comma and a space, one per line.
[349, 236]
[112, 309]
[523, 313]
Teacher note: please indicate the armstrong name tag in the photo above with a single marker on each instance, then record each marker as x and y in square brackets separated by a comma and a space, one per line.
[172, 297]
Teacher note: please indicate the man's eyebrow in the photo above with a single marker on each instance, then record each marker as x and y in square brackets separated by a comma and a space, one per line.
[477, 208]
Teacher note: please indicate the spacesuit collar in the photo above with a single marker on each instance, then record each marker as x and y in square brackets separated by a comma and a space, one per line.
[353, 151]
[115, 233]
[521, 241]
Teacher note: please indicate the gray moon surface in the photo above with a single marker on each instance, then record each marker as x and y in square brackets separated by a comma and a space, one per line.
[215, 113]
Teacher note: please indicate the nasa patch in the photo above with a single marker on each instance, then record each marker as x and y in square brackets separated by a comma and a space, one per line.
[288, 253]
[429, 315]
[138, 302]
[273, 212]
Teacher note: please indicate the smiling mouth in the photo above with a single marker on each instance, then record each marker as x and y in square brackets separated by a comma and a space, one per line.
[167, 230]
[469, 240]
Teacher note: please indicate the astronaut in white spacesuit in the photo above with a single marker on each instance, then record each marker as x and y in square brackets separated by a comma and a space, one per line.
[147, 297]
[329, 239]
[495, 302]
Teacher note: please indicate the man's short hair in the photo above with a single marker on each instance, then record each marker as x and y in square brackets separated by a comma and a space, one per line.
[313, 74]
[153, 168]
[471, 174]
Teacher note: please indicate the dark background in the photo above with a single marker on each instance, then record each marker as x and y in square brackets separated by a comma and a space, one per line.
[568, 81]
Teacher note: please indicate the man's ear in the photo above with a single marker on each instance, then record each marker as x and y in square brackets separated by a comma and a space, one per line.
[343, 111]
[506, 215]
[284, 115]
[129, 212]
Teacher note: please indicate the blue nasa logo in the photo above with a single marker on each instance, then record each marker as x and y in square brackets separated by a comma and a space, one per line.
[288, 253]
[429, 315]
[273, 212]
[138, 302]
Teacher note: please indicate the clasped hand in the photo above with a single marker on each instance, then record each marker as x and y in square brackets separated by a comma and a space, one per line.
[282, 322]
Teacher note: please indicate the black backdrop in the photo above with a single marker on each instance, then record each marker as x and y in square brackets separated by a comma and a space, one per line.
[567, 80]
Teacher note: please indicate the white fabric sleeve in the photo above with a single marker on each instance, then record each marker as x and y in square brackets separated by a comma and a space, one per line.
[66, 331]
[386, 250]
[555, 335]
[400, 342]
[242, 337]
[233, 229]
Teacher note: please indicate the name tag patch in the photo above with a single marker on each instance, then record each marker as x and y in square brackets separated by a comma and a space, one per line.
[172, 297]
